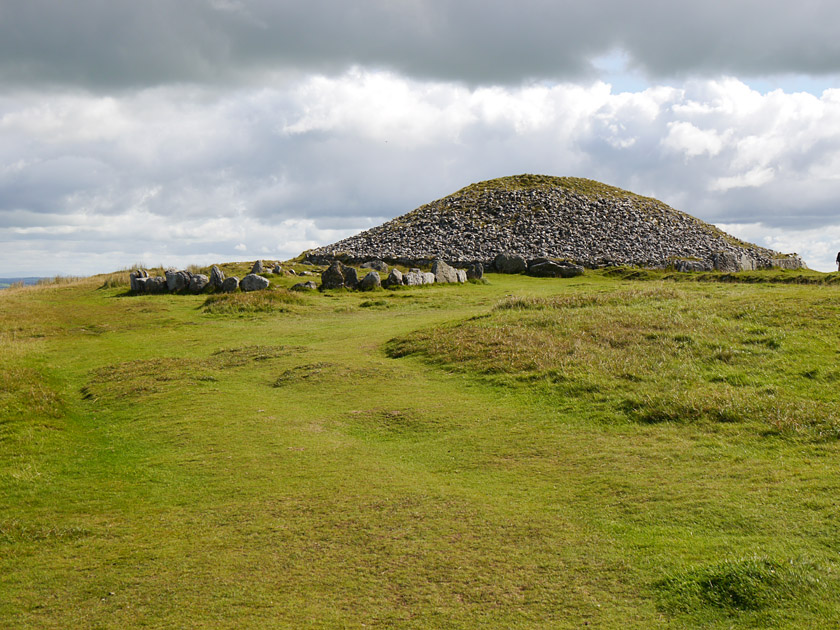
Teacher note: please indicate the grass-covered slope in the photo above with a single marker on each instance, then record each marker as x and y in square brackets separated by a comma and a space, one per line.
[526, 454]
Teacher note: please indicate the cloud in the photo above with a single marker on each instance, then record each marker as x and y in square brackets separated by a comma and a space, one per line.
[119, 44]
[684, 137]
[183, 172]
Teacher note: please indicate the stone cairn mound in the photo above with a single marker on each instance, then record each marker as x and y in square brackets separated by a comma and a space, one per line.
[541, 224]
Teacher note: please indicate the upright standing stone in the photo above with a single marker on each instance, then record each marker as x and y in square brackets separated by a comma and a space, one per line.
[475, 271]
[395, 278]
[444, 273]
[217, 277]
[333, 276]
[257, 268]
[351, 278]
[177, 280]
[138, 275]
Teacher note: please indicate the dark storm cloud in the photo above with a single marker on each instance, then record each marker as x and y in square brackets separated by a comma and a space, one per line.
[114, 43]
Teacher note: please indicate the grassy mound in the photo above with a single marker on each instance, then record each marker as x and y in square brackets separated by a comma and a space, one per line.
[269, 301]
[658, 354]
[740, 585]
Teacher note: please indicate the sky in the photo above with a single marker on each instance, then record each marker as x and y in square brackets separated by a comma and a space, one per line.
[177, 132]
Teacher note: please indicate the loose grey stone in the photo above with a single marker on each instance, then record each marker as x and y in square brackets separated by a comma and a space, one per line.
[277, 269]
[198, 283]
[257, 268]
[428, 278]
[533, 216]
[253, 282]
[230, 284]
[370, 282]
[444, 273]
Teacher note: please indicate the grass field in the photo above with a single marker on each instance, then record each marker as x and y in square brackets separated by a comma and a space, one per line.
[619, 450]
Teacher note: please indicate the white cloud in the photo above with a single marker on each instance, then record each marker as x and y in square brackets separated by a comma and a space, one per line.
[182, 171]
[684, 137]
[751, 179]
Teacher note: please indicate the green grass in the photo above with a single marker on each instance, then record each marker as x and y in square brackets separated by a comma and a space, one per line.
[528, 453]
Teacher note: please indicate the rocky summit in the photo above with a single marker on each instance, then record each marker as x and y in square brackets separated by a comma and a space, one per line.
[555, 218]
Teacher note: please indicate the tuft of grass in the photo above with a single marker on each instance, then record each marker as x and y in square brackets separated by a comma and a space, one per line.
[375, 303]
[737, 585]
[15, 531]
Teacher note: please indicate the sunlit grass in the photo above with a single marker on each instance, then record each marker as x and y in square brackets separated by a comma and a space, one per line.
[593, 452]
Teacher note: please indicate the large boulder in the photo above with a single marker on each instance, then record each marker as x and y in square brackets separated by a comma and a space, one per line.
[333, 276]
[305, 286]
[414, 277]
[351, 278]
[138, 284]
[788, 262]
[730, 261]
[376, 265]
[444, 273]
[156, 285]
[395, 278]
[217, 277]
[428, 278]
[230, 284]
[257, 268]
[253, 282]
[461, 275]
[684, 266]
[475, 271]
[137, 280]
[554, 269]
[177, 280]
[370, 282]
[509, 263]
[198, 283]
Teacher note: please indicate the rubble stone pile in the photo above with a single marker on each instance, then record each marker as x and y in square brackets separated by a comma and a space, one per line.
[536, 217]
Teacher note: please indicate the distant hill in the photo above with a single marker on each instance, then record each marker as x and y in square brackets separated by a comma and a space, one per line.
[569, 218]
[5, 283]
